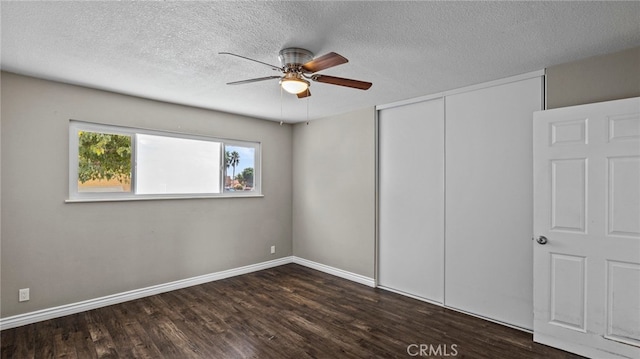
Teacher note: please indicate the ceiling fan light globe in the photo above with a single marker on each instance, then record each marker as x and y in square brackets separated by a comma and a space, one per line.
[294, 85]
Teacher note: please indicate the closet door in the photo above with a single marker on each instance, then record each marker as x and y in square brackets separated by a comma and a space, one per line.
[489, 201]
[411, 199]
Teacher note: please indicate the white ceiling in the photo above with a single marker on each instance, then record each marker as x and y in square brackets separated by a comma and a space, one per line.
[168, 51]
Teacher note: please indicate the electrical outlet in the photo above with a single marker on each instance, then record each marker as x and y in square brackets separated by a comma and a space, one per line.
[23, 295]
[273, 249]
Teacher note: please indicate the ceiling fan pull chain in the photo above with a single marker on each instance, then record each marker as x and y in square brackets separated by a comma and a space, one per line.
[308, 110]
[281, 116]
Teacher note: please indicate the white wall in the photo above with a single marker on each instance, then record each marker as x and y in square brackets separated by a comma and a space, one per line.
[334, 191]
[69, 252]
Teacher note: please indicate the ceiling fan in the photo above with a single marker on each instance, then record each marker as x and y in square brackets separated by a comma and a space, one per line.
[298, 67]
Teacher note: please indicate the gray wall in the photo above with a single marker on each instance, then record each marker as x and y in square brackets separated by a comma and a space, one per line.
[67, 253]
[595, 79]
[334, 191]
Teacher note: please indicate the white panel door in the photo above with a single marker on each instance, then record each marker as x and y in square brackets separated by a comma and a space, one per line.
[489, 203]
[411, 199]
[587, 226]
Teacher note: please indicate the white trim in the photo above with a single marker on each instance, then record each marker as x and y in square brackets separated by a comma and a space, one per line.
[411, 101]
[78, 307]
[376, 199]
[335, 271]
[73, 308]
[75, 196]
[164, 197]
[506, 80]
[544, 90]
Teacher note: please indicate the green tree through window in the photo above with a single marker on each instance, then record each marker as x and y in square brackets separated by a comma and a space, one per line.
[103, 156]
[247, 176]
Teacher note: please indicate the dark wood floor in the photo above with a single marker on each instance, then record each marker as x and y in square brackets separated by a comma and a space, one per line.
[284, 312]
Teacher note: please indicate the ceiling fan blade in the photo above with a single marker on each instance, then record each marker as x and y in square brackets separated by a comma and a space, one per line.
[324, 62]
[273, 67]
[360, 85]
[304, 94]
[253, 80]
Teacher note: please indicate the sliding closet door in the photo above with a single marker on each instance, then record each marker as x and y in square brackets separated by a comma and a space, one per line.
[490, 200]
[411, 199]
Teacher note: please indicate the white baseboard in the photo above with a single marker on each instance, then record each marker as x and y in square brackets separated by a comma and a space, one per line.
[67, 309]
[335, 271]
[78, 307]
[73, 308]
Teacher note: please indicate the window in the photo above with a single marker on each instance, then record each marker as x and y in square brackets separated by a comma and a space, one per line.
[112, 163]
[176, 165]
[239, 168]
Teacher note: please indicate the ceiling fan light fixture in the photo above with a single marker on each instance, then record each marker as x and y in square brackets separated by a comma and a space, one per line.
[294, 84]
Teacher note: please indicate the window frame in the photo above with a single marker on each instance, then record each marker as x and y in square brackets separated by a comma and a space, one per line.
[75, 196]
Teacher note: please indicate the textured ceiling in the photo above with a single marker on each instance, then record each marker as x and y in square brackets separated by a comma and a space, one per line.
[169, 50]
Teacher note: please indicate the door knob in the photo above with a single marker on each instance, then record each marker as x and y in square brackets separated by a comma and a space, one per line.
[542, 240]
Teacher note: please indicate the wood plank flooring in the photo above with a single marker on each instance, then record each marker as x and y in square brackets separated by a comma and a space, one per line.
[284, 312]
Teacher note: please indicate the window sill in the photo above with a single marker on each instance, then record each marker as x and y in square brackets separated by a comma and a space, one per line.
[156, 198]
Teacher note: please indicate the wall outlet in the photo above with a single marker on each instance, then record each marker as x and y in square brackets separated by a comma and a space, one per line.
[273, 249]
[23, 295]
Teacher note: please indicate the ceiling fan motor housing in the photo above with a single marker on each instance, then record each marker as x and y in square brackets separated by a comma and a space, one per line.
[294, 57]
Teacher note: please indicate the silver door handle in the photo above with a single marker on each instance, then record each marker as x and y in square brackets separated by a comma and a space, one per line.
[542, 240]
